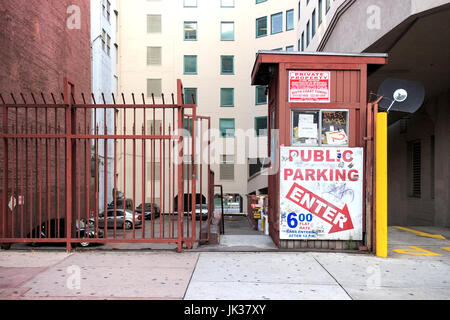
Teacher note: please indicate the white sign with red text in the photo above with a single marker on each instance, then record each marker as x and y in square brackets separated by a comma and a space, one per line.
[309, 86]
[321, 193]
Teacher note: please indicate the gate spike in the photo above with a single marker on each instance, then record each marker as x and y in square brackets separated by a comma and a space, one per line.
[53, 98]
[82, 96]
[132, 95]
[153, 98]
[14, 99]
[34, 99]
[143, 98]
[113, 98]
[162, 97]
[173, 99]
[23, 98]
[93, 98]
[1, 97]
[103, 98]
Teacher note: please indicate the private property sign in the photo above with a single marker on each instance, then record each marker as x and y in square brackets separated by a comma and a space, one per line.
[321, 193]
[309, 86]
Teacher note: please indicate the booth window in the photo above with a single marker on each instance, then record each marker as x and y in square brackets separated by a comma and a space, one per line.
[320, 128]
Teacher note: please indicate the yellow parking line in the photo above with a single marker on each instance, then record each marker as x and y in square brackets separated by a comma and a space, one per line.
[416, 251]
[446, 248]
[422, 234]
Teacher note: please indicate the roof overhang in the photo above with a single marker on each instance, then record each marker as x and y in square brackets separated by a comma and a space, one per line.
[267, 61]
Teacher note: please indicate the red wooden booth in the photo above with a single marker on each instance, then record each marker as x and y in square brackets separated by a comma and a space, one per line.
[321, 148]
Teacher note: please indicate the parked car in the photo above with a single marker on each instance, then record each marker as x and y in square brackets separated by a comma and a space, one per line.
[148, 210]
[204, 211]
[121, 219]
[119, 204]
[49, 230]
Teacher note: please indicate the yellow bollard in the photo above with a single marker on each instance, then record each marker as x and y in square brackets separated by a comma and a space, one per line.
[381, 185]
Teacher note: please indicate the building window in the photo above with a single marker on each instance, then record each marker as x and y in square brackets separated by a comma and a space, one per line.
[108, 10]
[276, 21]
[227, 97]
[188, 127]
[227, 31]
[108, 45]
[190, 3]
[261, 97]
[303, 41]
[261, 27]
[414, 166]
[226, 64]
[307, 33]
[154, 127]
[227, 3]
[328, 2]
[320, 11]
[256, 165]
[290, 20]
[154, 56]
[103, 40]
[154, 23]
[290, 48]
[227, 168]
[261, 126]
[227, 128]
[154, 86]
[313, 25]
[153, 170]
[190, 64]
[190, 30]
[190, 95]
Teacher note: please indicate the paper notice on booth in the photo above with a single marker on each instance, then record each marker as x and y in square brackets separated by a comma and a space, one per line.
[307, 130]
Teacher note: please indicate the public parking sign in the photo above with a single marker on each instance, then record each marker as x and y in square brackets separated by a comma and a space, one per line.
[321, 193]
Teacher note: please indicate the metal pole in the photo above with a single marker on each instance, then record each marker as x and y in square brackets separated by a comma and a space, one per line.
[381, 185]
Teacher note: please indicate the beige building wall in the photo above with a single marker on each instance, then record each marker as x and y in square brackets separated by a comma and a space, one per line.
[134, 71]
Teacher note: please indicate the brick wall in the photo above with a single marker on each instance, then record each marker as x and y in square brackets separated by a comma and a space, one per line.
[38, 50]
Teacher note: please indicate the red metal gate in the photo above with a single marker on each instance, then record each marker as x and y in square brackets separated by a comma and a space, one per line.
[69, 175]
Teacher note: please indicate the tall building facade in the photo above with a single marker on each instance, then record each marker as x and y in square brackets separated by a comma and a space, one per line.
[211, 46]
[104, 58]
[411, 32]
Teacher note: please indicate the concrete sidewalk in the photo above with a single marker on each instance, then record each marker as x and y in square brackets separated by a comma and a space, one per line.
[408, 273]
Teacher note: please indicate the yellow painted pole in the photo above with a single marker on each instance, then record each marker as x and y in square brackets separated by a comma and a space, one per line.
[381, 185]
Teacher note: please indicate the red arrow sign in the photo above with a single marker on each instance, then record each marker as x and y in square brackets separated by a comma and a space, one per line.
[340, 219]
